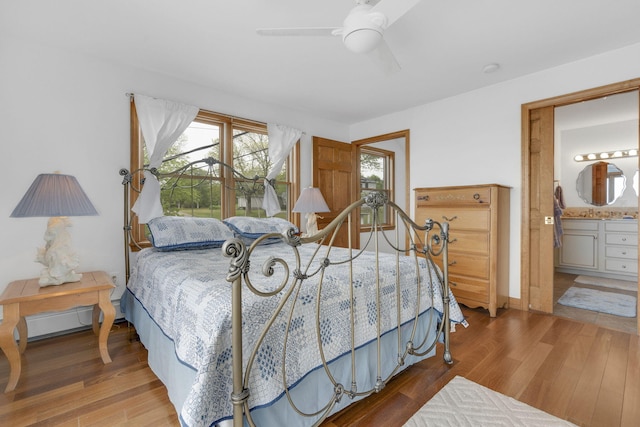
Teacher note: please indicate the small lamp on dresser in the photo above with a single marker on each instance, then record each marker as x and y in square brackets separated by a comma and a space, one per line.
[56, 196]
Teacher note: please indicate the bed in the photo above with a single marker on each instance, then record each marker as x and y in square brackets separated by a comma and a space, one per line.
[246, 321]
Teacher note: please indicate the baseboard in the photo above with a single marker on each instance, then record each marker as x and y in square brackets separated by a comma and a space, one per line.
[55, 323]
[515, 303]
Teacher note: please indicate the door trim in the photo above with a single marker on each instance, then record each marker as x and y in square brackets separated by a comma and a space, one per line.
[387, 137]
[571, 98]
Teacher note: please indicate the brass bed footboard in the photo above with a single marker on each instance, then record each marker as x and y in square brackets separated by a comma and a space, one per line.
[408, 304]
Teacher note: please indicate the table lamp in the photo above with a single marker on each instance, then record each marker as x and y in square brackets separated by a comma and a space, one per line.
[310, 202]
[56, 196]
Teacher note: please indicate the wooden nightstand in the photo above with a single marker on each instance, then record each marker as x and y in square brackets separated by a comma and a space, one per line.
[25, 297]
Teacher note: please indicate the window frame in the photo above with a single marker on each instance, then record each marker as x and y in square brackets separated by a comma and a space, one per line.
[389, 183]
[227, 125]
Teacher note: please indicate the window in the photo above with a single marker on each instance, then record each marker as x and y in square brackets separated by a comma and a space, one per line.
[376, 174]
[213, 191]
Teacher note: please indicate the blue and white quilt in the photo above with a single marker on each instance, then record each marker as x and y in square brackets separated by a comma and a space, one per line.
[187, 295]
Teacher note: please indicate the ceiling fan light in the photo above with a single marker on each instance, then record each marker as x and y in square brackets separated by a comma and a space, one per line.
[362, 40]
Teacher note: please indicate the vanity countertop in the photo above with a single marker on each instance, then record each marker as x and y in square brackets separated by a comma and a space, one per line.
[595, 218]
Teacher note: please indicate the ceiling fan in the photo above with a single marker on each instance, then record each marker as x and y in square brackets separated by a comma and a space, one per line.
[362, 30]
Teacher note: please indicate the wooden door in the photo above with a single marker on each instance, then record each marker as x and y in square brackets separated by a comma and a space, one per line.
[599, 184]
[334, 171]
[530, 263]
[540, 250]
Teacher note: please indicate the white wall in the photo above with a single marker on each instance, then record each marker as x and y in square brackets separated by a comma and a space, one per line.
[69, 113]
[475, 137]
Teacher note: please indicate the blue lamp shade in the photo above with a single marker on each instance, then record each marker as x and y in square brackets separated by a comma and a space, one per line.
[53, 195]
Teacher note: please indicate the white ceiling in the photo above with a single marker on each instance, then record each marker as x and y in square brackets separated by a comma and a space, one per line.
[442, 46]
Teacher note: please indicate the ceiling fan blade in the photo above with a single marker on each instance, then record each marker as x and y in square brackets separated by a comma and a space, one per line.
[393, 9]
[302, 31]
[384, 59]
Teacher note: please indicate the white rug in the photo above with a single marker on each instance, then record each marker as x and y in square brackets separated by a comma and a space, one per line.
[600, 301]
[463, 403]
[626, 285]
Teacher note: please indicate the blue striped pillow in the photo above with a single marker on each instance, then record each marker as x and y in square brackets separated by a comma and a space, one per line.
[179, 233]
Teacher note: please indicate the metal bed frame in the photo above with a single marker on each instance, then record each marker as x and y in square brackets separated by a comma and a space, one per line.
[428, 241]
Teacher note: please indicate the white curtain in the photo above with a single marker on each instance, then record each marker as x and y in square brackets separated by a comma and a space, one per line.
[161, 122]
[281, 141]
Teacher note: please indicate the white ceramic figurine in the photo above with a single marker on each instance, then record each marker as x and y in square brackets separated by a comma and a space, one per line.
[58, 256]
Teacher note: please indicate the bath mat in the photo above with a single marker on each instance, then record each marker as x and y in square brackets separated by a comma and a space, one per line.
[600, 301]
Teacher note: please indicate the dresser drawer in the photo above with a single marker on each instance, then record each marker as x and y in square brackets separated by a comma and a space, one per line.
[469, 241]
[469, 288]
[453, 196]
[469, 265]
[621, 239]
[621, 252]
[621, 266]
[458, 219]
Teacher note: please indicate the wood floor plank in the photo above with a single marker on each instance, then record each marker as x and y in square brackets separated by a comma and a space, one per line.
[583, 401]
[630, 404]
[526, 371]
[608, 407]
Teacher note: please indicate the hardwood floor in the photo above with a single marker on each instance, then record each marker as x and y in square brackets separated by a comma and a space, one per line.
[582, 372]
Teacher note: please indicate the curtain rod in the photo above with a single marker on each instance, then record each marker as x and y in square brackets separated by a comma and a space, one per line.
[131, 95]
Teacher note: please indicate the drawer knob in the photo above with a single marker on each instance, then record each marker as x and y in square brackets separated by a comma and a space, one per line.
[624, 239]
[425, 197]
[453, 283]
[624, 252]
[476, 196]
[449, 219]
[453, 262]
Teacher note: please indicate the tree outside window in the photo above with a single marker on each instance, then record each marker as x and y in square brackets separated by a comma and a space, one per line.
[211, 191]
[376, 175]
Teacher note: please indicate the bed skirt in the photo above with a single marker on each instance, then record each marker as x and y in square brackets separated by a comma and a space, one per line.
[178, 377]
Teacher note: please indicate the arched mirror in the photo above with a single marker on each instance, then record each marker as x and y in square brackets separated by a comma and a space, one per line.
[601, 183]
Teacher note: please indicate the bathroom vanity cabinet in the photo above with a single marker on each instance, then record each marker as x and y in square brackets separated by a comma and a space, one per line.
[599, 247]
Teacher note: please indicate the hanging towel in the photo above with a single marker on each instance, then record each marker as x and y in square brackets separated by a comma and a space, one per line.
[558, 205]
[560, 197]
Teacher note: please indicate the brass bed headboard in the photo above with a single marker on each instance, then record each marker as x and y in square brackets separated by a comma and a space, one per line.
[206, 171]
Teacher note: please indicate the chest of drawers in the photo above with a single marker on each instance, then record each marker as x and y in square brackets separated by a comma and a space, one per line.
[478, 217]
